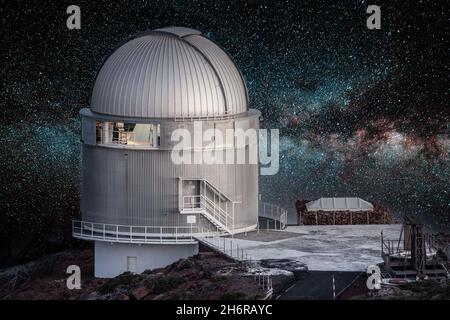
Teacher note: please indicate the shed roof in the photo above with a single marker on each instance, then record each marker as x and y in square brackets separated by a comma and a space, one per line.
[339, 204]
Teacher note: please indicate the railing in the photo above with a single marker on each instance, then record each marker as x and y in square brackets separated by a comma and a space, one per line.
[397, 246]
[391, 247]
[225, 246]
[212, 203]
[210, 209]
[275, 213]
[215, 189]
[188, 117]
[231, 249]
[264, 282]
[138, 234]
[446, 270]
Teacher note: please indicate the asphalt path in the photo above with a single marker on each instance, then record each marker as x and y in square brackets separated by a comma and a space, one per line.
[318, 285]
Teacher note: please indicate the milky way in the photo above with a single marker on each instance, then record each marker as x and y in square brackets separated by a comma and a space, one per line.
[361, 112]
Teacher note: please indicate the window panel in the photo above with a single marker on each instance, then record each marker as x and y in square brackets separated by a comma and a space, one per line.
[128, 134]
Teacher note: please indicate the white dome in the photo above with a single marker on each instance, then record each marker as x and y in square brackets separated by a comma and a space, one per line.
[169, 73]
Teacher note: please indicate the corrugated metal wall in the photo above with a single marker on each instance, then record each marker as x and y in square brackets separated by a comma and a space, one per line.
[140, 187]
[88, 130]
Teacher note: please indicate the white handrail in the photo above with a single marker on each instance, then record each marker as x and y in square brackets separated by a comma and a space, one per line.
[208, 208]
[446, 270]
[274, 212]
[212, 186]
[136, 234]
[226, 246]
[201, 204]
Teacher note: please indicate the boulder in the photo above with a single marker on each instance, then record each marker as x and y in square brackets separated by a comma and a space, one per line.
[140, 293]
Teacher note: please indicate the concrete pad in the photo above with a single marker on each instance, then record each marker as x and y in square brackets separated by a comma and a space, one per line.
[266, 236]
[324, 248]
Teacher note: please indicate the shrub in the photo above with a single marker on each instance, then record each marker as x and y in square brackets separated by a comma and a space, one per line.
[166, 283]
[233, 296]
[125, 278]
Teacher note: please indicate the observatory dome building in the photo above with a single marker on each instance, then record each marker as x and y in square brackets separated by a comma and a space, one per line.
[143, 209]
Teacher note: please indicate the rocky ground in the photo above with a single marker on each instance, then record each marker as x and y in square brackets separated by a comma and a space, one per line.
[421, 290]
[207, 275]
[204, 276]
[45, 278]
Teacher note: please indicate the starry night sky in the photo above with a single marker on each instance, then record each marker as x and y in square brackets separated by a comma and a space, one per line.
[361, 112]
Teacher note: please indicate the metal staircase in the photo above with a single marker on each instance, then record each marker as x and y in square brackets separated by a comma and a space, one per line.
[212, 204]
[414, 255]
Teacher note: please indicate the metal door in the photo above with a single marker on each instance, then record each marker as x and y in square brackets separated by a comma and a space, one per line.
[132, 264]
[191, 193]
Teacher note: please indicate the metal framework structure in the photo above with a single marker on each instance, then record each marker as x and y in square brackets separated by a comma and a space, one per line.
[414, 254]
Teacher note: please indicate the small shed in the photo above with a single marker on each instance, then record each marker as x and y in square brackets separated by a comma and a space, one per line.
[341, 211]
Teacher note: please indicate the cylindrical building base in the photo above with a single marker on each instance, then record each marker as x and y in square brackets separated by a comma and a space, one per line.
[112, 259]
